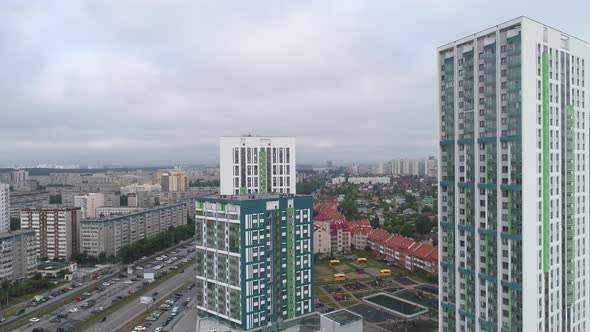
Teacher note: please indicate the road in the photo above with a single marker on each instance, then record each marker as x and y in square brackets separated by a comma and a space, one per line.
[113, 290]
[131, 310]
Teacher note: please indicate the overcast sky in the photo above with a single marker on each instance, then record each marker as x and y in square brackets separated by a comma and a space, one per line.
[157, 82]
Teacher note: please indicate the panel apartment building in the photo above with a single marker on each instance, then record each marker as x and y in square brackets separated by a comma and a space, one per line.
[109, 234]
[57, 230]
[254, 258]
[18, 254]
[513, 193]
[4, 208]
[252, 164]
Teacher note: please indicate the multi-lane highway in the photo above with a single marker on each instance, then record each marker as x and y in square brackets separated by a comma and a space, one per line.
[116, 288]
[122, 316]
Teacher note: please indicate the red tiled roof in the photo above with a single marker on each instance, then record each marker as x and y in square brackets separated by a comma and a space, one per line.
[379, 235]
[424, 250]
[320, 217]
[360, 226]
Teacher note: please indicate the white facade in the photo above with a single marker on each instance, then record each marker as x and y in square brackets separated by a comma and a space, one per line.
[4, 208]
[89, 203]
[322, 241]
[513, 103]
[252, 164]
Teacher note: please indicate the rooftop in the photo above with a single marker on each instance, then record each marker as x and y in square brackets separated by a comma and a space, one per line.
[16, 233]
[343, 317]
[249, 197]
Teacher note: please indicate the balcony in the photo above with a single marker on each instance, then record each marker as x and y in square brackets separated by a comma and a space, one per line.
[514, 62]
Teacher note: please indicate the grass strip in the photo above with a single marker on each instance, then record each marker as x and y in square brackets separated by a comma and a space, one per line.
[94, 319]
[141, 317]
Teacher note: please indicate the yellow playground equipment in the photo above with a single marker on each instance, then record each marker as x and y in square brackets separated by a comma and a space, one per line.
[334, 262]
[385, 272]
[339, 277]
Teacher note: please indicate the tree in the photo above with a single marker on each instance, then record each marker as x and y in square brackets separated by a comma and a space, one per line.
[423, 225]
[102, 257]
[14, 224]
[61, 274]
[55, 199]
[123, 200]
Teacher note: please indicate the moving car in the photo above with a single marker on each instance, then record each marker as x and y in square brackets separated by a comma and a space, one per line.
[34, 319]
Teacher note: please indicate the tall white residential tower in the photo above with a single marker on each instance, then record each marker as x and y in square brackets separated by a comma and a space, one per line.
[513, 192]
[252, 164]
[4, 208]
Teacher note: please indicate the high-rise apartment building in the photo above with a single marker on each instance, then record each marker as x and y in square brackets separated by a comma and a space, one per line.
[19, 175]
[174, 182]
[57, 230]
[89, 203]
[513, 193]
[254, 258]
[4, 208]
[252, 164]
[18, 258]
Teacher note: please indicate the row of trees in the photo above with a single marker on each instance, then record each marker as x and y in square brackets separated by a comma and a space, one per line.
[145, 247]
[204, 183]
[28, 286]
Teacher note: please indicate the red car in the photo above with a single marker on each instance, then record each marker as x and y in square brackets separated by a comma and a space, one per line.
[78, 299]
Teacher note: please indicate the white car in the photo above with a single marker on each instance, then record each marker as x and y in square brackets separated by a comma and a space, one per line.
[34, 319]
[158, 329]
[128, 282]
[74, 310]
[140, 328]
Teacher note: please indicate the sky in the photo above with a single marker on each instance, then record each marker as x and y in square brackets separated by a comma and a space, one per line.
[144, 82]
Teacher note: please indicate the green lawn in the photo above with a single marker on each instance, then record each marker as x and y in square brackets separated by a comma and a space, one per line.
[323, 297]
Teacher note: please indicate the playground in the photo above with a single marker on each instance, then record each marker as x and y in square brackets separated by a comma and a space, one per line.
[388, 297]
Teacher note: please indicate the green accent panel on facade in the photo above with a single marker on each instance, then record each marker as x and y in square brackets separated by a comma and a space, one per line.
[487, 254]
[262, 171]
[290, 265]
[509, 308]
[510, 212]
[511, 138]
[545, 96]
[466, 141]
[243, 190]
[486, 161]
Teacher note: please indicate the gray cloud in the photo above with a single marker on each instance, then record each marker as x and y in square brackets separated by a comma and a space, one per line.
[130, 81]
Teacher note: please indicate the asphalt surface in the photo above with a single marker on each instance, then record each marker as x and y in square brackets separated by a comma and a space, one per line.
[119, 318]
[119, 288]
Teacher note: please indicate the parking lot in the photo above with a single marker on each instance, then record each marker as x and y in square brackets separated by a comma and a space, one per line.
[110, 291]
